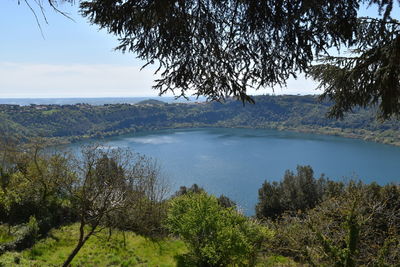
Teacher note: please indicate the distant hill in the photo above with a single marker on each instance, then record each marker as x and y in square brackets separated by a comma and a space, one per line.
[295, 113]
[151, 102]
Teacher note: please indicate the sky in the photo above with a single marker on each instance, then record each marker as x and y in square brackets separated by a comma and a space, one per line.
[74, 59]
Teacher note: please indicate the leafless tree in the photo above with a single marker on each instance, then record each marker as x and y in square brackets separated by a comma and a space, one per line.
[111, 182]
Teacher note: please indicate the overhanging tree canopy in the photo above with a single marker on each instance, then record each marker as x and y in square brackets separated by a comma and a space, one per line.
[223, 47]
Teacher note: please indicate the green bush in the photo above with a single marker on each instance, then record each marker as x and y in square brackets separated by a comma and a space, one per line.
[295, 193]
[26, 236]
[361, 227]
[216, 236]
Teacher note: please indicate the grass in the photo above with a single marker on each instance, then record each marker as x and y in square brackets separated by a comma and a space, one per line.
[98, 251]
[5, 236]
[278, 261]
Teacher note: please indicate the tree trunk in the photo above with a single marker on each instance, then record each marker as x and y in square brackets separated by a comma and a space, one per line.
[123, 234]
[109, 233]
[82, 240]
[73, 254]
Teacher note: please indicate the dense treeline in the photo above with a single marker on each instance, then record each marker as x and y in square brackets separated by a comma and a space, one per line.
[298, 113]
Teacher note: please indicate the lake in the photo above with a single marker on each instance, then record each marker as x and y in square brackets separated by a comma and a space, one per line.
[235, 162]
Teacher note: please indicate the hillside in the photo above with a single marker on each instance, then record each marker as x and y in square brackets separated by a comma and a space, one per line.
[99, 251]
[104, 251]
[151, 102]
[296, 113]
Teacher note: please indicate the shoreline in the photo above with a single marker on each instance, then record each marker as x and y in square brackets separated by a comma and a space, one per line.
[359, 134]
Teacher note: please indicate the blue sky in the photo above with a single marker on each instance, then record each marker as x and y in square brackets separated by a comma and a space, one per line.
[74, 59]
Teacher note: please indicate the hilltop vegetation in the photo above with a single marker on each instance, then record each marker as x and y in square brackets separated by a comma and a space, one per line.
[69, 123]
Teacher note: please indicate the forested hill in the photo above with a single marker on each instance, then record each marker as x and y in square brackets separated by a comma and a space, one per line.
[298, 113]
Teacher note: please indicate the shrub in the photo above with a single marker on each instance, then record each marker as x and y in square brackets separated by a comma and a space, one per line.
[216, 236]
[296, 192]
[361, 227]
[25, 237]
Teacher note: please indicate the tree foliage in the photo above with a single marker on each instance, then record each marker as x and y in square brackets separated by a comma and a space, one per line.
[370, 75]
[222, 48]
[99, 188]
[298, 113]
[112, 184]
[35, 187]
[295, 193]
[216, 236]
[223, 200]
[359, 227]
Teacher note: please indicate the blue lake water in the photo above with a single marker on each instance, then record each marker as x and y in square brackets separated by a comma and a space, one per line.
[235, 162]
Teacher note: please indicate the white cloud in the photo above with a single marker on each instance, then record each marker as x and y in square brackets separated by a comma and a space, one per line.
[75, 80]
[31, 80]
[301, 86]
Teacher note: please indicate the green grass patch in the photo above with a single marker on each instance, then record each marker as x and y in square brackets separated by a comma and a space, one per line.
[101, 251]
[277, 261]
[5, 236]
[98, 250]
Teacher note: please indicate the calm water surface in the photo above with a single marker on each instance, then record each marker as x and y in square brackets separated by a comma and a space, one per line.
[235, 162]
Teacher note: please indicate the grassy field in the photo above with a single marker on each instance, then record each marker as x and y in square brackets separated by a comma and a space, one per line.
[98, 251]
[102, 251]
